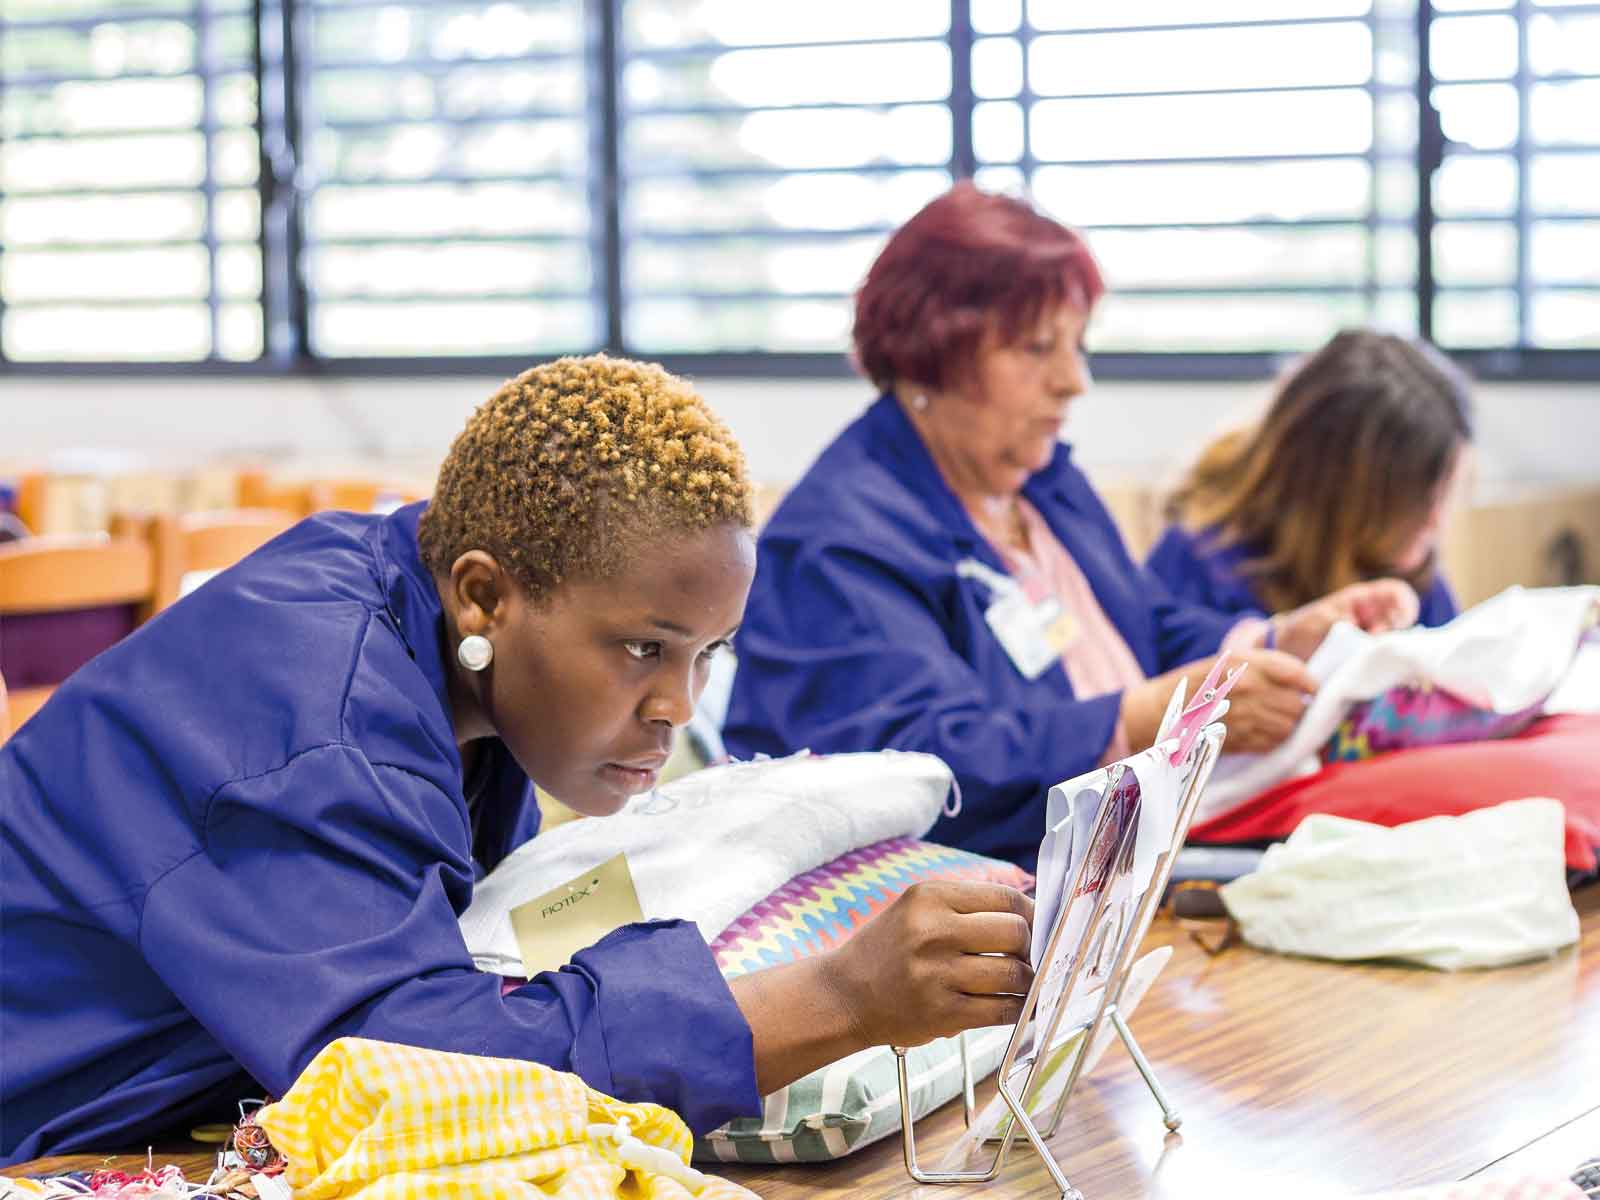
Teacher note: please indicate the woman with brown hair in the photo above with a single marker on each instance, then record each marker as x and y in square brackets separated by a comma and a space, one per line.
[1347, 477]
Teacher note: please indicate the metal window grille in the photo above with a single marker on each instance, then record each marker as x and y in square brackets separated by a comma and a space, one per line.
[1514, 128]
[129, 216]
[429, 185]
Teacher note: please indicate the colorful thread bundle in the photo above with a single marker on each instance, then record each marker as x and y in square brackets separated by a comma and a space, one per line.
[241, 1173]
[254, 1151]
[167, 1183]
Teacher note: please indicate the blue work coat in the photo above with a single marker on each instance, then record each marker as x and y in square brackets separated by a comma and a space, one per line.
[1199, 568]
[241, 833]
[861, 635]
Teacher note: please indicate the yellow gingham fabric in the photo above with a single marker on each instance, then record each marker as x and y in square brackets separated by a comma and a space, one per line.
[388, 1122]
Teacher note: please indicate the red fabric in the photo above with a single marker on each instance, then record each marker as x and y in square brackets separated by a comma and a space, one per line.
[1558, 757]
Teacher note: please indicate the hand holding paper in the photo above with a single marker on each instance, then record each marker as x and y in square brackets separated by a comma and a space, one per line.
[1109, 840]
[942, 958]
[1264, 705]
[1268, 701]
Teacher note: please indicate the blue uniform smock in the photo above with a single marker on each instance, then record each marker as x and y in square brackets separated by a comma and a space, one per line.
[1200, 568]
[241, 833]
[861, 635]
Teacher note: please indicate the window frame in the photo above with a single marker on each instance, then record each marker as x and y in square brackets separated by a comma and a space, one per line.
[278, 50]
[208, 75]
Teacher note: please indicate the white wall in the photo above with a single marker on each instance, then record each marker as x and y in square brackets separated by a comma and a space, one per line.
[1528, 432]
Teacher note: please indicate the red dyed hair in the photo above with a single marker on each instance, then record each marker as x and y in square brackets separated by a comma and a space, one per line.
[971, 264]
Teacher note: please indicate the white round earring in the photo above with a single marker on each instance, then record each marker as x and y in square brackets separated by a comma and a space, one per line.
[475, 652]
[919, 402]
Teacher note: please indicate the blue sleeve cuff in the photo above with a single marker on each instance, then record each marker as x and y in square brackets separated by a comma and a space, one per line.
[664, 1026]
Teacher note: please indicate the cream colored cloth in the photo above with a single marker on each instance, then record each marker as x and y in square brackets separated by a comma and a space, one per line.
[385, 1122]
[1483, 889]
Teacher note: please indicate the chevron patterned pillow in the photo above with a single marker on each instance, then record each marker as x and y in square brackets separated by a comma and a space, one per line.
[825, 906]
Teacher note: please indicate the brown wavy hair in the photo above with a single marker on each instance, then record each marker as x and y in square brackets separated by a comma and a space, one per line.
[574, 465]
[1340, 473]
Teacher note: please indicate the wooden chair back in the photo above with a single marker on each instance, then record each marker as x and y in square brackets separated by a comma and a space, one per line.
[262, 490]
[259, 489]
[210, 541]
[66, 571]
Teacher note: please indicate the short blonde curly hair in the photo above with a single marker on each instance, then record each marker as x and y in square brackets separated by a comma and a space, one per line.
[574, 464]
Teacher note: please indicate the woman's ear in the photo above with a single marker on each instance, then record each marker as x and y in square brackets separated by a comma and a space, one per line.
[478, 593]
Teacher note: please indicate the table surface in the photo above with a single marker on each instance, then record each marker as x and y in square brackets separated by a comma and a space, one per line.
[1293, 1077]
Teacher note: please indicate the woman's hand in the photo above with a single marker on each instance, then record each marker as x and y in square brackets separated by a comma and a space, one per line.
[1377, 606]
[1267, 702]
[1263, 707]
[943, 957]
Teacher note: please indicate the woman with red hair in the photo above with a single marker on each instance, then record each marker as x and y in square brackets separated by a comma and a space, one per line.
[945, 579]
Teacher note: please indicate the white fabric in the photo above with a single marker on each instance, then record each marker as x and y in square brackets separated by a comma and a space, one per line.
[1580, 690]
[708, 846]
[1504, 655]
[1479, 890]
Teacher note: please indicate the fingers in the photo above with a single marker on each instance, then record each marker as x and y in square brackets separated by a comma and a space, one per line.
[946, 956]
[1387, 604]
[1379, 605]
[977, 1012]
[1266, 710]
[974, 897]
[1266, 732]
[1276, 710]
[1248, 741]
[1259, 730]
[993, 933]
[1282, 671]
[991, 975]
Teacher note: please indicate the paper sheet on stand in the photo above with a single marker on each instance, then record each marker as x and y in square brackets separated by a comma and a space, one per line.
[1147, 792]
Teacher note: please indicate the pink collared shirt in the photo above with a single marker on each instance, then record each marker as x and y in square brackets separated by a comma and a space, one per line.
[1097, 658]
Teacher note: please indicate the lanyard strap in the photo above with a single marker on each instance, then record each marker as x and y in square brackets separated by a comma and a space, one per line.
[999, 585]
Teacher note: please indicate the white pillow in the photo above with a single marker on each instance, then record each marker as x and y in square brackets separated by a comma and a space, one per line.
[762, 823]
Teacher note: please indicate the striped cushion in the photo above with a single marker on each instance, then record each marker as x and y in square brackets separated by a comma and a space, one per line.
[824, 907]
[854, 1101]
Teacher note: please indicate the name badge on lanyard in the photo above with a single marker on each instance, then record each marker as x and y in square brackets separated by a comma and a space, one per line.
[1033, 633]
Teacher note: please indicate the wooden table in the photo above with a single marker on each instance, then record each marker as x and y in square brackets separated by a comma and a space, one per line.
[1295, 1079]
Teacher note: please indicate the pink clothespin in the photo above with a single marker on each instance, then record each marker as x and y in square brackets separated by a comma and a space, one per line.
[1209, 701]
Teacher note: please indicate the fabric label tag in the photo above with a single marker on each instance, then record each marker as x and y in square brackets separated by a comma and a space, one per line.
[1032, 635]
[553, 927]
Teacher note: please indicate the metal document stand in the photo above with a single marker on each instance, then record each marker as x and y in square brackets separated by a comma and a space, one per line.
[1205, 753]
